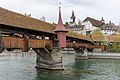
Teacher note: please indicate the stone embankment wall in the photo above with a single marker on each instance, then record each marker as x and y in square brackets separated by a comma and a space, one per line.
[103, 55]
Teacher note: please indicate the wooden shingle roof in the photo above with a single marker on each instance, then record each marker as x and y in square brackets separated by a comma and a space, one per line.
[22, 21]
[78, 36]
[18, 20]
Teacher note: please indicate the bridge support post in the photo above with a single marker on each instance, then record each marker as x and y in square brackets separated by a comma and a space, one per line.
[58, 59]
[51, 38]
[1, 43]
[46, 60]
[25, 45]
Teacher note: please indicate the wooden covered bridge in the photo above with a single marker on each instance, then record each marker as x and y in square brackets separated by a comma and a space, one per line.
[19, 31]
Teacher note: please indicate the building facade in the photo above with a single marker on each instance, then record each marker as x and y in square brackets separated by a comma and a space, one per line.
[88, 25]
[91, 24]
[109, 29]
[77, 28]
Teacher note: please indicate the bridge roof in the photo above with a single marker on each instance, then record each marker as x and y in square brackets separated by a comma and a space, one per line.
[78, 36]
[22, 21]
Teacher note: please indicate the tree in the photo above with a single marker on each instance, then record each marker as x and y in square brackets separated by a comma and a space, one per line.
[97, 31]
[66, 24]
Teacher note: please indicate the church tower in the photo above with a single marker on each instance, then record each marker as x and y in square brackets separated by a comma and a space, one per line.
[72, 18]
[103, 20]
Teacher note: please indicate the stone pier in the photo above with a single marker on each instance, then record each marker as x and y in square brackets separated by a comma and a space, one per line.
[81, 54]
[57, 59]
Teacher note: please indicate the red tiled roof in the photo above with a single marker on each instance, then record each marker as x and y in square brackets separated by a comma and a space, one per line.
[94, 22]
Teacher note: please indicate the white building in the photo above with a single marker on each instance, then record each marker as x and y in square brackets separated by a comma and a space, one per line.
[109, 29]
[91, 24]
[77, 28]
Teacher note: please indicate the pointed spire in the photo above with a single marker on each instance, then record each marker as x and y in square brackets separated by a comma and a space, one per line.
[60, 26]
[73, 15]
[110, 22]
[102, 19]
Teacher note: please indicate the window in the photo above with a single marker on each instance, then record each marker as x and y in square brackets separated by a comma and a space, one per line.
[55, 37]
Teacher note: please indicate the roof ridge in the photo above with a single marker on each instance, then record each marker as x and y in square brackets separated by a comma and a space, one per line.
[94, 22]
[95, 19]
[23, 15]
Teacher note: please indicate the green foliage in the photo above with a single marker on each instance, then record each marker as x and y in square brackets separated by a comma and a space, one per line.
[115, 47]
[66, 24]
[97, 31]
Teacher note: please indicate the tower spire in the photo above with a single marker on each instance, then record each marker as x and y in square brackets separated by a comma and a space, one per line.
[61, 31]
[73, 17]
[102, 19]
[60, 26]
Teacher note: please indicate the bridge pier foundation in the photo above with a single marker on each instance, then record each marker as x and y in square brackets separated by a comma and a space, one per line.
[68, 57]
[47, 60]
[81, 53]
[1, 49]
[57, 59]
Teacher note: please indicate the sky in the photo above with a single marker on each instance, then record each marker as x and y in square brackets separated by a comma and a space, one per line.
[109, 9]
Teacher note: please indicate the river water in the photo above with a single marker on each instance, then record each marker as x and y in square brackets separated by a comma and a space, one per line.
[21, 66]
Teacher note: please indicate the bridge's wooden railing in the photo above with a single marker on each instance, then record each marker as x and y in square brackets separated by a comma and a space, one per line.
[72, 45]
[86, 45]
[15, 42]
[40, 43]
[78, 45]
[102, 47]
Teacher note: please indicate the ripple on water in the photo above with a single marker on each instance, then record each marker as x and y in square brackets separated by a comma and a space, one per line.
[18, 66]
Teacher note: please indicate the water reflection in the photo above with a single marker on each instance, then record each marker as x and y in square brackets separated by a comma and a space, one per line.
[85, 70]
[17, 66]
[21, 66]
